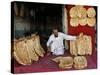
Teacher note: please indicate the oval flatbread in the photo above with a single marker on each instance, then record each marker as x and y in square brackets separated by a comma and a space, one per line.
[31, 51]
[83, 21]
[91, 21]
[73, 12]
[37, 47]
[73, 47]
[66, 62]
[82, 13]
[91, 12]
[88, 44]
[21, 53]
[81, 44]
[74, 22]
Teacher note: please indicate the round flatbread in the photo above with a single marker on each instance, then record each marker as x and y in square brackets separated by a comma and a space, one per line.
[82, 13]
[91, 12]
[73, 12]
[74, 22]
[83, 21]
[80, 62]
[91, 21]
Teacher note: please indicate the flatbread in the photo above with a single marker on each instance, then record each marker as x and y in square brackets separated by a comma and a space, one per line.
[57, 59]
[82, 13]
[64, 62]
[73, 47]
[80, 62]
[21, 54]
[88, 44]
[37, 47]
[74, 22]
[73, 12]
[91, 12]
[83, 21]
[81, 45]
[91, 21]
[31, 51]
[41, 48]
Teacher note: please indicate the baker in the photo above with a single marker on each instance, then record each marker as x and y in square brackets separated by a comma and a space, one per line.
[55, 42]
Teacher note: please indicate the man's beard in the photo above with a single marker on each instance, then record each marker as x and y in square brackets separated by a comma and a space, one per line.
[56, 35]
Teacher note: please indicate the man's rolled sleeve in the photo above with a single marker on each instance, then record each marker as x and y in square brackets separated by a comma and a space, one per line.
[69, 37]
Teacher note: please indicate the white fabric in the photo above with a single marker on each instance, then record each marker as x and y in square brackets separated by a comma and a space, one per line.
[56, 43]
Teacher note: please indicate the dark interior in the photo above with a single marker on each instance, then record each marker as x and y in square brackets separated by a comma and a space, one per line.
[39, 18]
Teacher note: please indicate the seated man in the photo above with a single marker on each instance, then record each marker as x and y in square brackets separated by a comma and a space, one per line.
[55, 42]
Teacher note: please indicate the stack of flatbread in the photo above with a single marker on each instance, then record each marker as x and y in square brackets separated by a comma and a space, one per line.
[73, 12]
[80, 62]
[88, 45]
[79, 15]
[37, 47]
[64, 62]
[28, 50]
[73, 47]
[91, 20]
[81, 46]
[21, 53]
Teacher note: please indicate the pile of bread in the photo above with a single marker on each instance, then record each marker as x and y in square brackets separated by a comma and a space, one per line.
[78, 48]
[82, 16]
[28, 49]
[78, 62]
[81, 46]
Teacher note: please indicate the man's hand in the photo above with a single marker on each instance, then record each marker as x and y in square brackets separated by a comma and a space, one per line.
[48, 51]
[77, 37]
